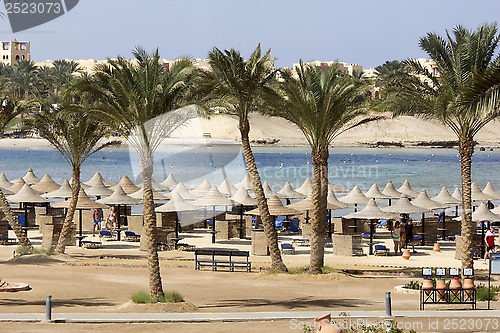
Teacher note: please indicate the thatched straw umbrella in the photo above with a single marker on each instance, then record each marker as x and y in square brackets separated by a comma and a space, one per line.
[98, 189]
[287, 192]
[177, 204]
[96, 178]
[246, 183]
[391, 191]
[127, 185]
[62, 192]
[46, 184]
[355, 197]
[202, 189]
[406, 189]
[306, 187]
[227, 188]
[241, 196]
[170, 182]
[30, 177]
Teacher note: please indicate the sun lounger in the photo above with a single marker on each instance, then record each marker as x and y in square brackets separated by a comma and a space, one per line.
[107, 235]
[91, 244]
[300, 241]
[185, 247]
[381, 250]
[287, 248]
[132, 236]
[7, 241]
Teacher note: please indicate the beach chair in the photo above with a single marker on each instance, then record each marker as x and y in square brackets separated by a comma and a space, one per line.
[132, 236]
[293, 228]
[278, 223]
[453, 237]
[381, 250]
[366, 235]
[107, 235]
[287, 248]
[381, 223]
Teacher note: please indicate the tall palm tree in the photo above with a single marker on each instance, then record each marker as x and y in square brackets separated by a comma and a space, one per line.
[142, 100]
[9, 110]
[464, 97]
[75, 131]
[237, 85]
[323, 103]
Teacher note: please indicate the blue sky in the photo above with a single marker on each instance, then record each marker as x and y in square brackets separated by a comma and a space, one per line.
[366, 32]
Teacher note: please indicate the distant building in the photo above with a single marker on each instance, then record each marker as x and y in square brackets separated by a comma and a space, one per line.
[14, 51]
[344, 67]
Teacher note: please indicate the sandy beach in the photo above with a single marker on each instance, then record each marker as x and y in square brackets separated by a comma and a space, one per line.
[408, 131]
[103, 280]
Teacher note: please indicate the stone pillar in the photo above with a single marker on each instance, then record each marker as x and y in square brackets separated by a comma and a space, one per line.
[259, 243]
[345, 245]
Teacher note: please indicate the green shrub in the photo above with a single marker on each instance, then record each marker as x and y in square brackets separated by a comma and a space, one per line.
[415, 285]
[23, 250]
[482, 293]
[143, 297]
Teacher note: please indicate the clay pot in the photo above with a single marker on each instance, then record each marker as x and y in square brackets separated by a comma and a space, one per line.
[325, 325]
[427, 285]
[468, 284]
[455, 283]
[436, 248]
[406, 254]
[441, 287]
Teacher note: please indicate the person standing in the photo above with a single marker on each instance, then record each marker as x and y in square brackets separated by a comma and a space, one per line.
[96, 223]
[489, 241]
[396, 237]
[111, 220]
[409, 235]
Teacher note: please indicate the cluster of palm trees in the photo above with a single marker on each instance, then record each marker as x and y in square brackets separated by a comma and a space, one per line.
[144, 101]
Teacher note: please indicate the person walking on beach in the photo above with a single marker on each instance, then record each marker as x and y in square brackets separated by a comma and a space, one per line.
[489, 241]
[409, 235]
[396, 237]
[111, 220]
[96, 224]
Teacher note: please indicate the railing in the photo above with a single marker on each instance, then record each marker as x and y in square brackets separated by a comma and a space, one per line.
[447, 296]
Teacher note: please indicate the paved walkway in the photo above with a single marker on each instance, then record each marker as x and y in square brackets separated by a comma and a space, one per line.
[238, 316]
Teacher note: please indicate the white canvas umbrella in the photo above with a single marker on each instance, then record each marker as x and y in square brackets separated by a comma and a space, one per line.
[355, 197]
[46, 184]
[490, 190]
[227, 188]
[30, 177]
[406, 189]
[170, 182]
[371, 212]
[246, 183]
[241, 197]
[213, 198]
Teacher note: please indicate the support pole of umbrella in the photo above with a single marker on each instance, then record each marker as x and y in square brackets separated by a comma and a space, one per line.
[482, 239]
[371, 237]
[443, 234]
[241, 221]
[118, 222]
[213, 228]
[329, 217]
[422, 241]
[80, 233]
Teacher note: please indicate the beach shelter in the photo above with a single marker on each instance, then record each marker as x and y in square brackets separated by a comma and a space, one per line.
[46, 184]
[62, 192]
[155, 186]
[306, 187]
[246, 183]
[478, 195]
[276, 208]
[355, 197]
[24, 197]
[241, 197]
[17, 185]
[30, 177]
[457, 194]
[227, 188]
[445, 197]
[183, 191]
[372, 213]
[170, 182]
[177, 204]
[156, 195]
[118, 199]
[97, 178]
[268, 192]
[213, 198]
[288, 193]
[490, 190]
[202, 189]
[391, 191]
[83, 203]
[98, 189]
[4, 182]
[481, 214]
[406, 189]
[127, 185]
[374, 193]
[332, 199]
[423, 200]
[336, 188]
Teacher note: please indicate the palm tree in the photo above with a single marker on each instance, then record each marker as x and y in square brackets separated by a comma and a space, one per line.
[323, 103]
[8, 111]
[142, 100]
[464, 97]
[75, 131]
[237, 85]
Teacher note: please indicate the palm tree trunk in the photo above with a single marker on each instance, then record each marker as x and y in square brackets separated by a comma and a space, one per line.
[466, 149]
[21, 236]
[68, 221]
[267, 221]
[318, 219]
[155, 283]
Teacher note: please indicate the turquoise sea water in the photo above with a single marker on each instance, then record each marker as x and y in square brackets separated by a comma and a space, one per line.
[424, 168]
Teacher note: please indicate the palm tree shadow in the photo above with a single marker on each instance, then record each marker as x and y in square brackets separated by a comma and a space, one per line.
[61, 303]
[295, 303]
